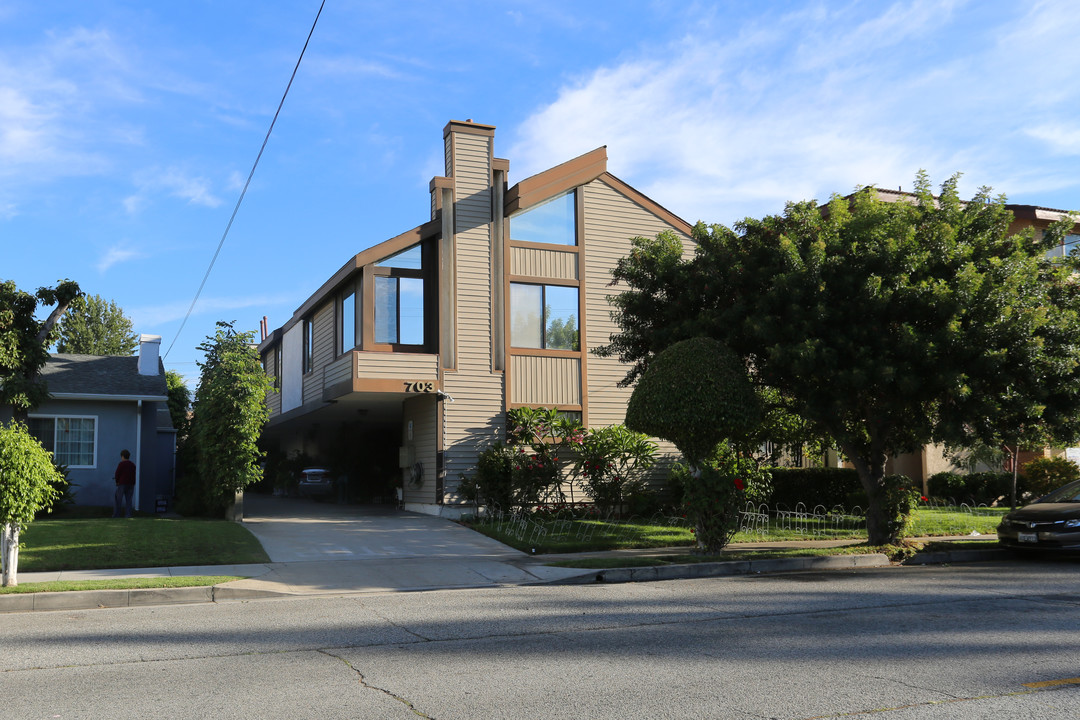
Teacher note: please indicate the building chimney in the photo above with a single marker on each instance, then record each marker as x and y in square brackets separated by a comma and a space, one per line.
[149, 348]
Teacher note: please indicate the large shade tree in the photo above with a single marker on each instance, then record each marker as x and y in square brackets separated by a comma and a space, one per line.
[25, 341]
[96, 326]
[884, 325]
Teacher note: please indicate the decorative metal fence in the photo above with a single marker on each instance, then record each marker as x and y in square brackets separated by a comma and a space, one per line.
[755, 521]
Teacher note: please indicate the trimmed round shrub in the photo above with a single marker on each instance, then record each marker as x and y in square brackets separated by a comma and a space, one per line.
[1042, 475]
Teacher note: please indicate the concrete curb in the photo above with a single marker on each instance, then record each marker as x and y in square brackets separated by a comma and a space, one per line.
[945, 557]
[89, 599]
[143, 597]
[721, 569]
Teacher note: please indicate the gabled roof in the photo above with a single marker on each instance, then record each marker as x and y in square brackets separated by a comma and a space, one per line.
[581, 171]
[373, 254]
[109, 377]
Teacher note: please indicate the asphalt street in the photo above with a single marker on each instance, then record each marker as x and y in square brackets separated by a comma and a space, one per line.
[987, 640]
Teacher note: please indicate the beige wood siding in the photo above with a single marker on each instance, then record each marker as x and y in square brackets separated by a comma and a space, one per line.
[611, 220]
[421, 412]
[537, 380]
[543, 263]
[273, 398]
[338, 371]
[391, 366]
[476, 415]
[323, 352]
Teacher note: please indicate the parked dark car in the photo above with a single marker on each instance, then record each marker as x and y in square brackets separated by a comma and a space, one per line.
[315, 483]
[1050, 523]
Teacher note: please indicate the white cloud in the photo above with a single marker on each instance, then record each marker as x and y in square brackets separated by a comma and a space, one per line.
[735, 121]
[116, 255]
[50, 94]
[174, 182]
[1063, 138]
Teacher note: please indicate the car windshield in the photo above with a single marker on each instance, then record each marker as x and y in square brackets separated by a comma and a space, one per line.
[1068, 494]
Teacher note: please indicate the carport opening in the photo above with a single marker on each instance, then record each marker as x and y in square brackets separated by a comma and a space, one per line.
[361, 460]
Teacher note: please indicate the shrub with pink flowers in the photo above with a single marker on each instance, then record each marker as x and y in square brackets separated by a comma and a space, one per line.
[714, 496]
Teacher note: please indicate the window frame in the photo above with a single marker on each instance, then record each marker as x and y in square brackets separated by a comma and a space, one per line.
[543, 317]
[570, 196]
[56, 418]
[374, 271]
[349, 292]
[308, 349]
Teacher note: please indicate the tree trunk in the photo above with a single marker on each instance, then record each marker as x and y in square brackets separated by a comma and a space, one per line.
[9, 554]
[872, 475]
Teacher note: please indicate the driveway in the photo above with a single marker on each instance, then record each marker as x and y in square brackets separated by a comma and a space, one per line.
[299, 530]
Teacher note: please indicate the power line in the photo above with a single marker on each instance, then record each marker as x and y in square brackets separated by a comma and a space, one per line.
[251, 174]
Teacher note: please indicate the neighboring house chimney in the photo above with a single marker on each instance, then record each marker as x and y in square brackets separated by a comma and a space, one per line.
[149, 347]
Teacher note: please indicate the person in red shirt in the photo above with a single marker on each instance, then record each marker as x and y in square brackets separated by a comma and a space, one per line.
[125, 483]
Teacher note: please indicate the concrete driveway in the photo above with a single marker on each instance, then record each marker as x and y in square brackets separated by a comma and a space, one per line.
[321, 548]
[299, 530]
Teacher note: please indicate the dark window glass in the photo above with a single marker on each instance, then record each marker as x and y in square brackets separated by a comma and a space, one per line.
[309, 345]
[347, 330]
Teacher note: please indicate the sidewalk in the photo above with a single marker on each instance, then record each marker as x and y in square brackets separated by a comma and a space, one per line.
[305, 578]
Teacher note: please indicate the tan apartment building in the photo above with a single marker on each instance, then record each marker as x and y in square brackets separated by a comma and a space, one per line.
[493, 303]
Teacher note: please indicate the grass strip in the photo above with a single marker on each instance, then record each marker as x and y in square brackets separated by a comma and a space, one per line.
[91, 543]
[179, 581]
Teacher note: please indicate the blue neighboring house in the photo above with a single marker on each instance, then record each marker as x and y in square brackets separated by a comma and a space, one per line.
[100, 405]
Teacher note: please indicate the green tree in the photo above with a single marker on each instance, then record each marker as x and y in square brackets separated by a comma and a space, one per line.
[885, 326]
[179, 401]
[96, 326]
[697, 394]
[25, 341]
[27, 476]
[230, 412]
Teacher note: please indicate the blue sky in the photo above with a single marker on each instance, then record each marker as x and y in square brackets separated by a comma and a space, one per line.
[127, 128]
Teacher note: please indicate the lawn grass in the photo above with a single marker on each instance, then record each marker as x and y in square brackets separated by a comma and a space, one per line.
[120, 584]
[78, 542]
[598, 535]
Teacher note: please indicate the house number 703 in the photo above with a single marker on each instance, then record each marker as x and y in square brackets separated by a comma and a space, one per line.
[420, 387]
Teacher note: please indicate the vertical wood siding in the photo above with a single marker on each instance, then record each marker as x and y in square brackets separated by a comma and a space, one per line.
[273, 398]
[611, 220]
[537, 380]
[544, 263]
[338, 371]
[476, 413]
[421, 411]
[322, 353]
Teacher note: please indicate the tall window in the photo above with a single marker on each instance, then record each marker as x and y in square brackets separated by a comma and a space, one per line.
[309, 345]
[552, 222]
[544, 316]
[277, 366]
[399, 298]
[71, 440]
[1069, 245]
[347, 321]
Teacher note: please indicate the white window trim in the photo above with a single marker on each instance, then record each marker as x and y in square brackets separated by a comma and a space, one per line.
[54, 418]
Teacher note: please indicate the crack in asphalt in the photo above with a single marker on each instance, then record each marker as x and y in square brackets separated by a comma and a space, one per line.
[363, 682]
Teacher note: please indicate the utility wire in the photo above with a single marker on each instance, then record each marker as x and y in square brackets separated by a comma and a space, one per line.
[246, 184]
